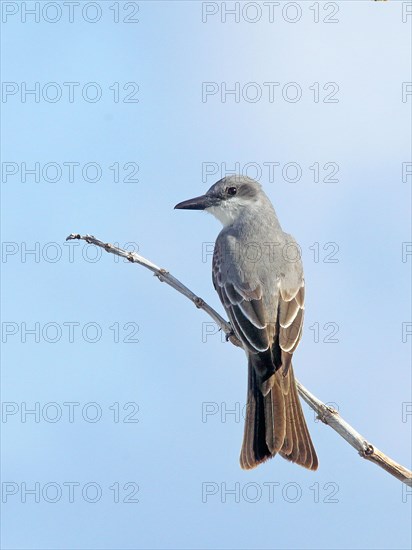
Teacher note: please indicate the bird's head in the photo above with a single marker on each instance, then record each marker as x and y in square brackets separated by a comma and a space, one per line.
[227, 198]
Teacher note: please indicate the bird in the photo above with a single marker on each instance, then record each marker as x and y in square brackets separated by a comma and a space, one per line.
[257, 272]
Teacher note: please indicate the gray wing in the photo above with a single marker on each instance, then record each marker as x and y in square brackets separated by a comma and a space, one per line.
[242, 295]
[291, 313]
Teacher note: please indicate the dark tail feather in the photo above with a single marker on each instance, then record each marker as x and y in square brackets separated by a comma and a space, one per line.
[275, 423]
[302, 450]
[254, 448]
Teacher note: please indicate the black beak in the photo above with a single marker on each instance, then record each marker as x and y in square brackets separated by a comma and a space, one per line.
[198, 203]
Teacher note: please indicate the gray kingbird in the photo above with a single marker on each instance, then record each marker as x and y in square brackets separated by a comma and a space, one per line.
[258, 275]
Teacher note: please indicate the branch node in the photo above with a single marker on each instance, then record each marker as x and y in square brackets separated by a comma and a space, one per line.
[159, 274]
[199, 303]
[367, 450]
[130, 257]
[324, 412]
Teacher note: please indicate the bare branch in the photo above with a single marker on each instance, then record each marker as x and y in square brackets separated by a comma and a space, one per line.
[328, 415]
[366, 450]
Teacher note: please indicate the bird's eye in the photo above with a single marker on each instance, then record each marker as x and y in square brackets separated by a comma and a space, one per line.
[231, 191]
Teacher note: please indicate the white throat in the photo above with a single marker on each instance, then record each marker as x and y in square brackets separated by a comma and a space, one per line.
[228, 211]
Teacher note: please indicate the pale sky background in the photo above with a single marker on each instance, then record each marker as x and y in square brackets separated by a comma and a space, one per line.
[182, 466]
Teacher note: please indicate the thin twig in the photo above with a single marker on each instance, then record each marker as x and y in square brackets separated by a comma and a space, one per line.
[328, 415]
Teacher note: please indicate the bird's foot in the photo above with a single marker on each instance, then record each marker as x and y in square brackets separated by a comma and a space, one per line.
[229, 335]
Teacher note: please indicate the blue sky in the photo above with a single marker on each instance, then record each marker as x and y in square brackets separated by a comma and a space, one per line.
[133, 443]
